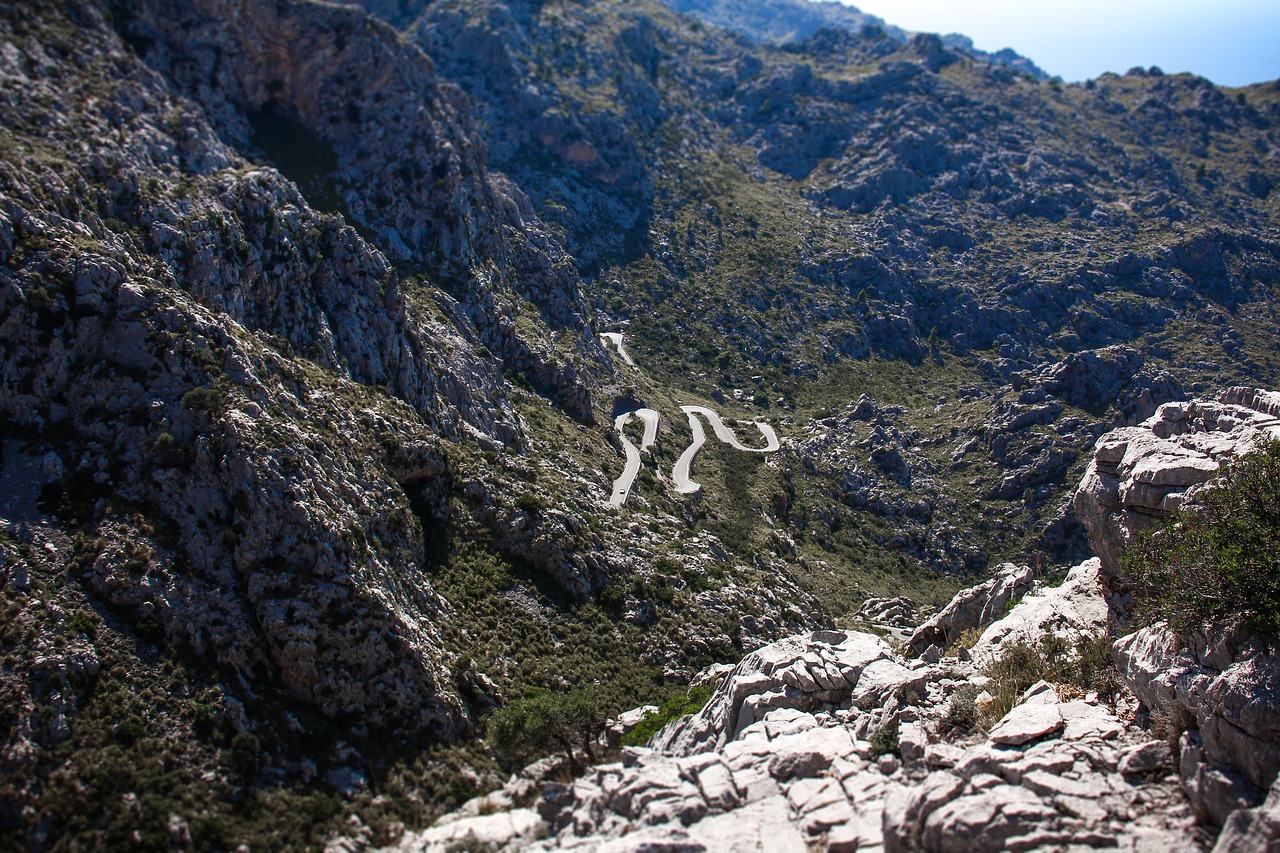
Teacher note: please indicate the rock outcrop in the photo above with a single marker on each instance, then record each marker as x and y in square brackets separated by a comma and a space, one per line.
[1225, 692]
[976, 607]
[782, 757]
[1218, 688]
[1072, 610]
[1142, 473]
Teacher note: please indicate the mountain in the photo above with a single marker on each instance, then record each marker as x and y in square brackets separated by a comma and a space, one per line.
[308, 421]
[784, 22]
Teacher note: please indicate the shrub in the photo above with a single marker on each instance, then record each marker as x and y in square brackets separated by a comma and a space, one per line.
[1021, 665]
[528, 502]
[1087, 665]
[245, 753]
[1218, 558]
[543, 722]
[961, 715]
[884, 740]
[1095, 669]
[204, 400]
[674, 708]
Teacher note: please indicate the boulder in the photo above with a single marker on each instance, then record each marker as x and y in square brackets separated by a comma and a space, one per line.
[1255, 830]
[1026, 723]
[489, 832]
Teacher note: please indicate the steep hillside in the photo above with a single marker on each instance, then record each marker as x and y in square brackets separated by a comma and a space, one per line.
[788, 21]
[314, 444]
[1032, 261]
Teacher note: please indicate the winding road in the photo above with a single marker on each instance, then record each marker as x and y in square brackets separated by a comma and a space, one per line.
[616, 339]
[622, 485]
[681, 473]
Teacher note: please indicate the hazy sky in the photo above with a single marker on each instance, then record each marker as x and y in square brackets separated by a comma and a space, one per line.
[1231, 42]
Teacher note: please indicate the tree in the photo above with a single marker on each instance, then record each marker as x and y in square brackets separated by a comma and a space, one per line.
[543, 722]
[1220, 557]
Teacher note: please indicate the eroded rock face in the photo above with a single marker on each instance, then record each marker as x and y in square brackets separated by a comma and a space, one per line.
[1142, 473]
[1218, 686]
[975, 607]
[1227, 691]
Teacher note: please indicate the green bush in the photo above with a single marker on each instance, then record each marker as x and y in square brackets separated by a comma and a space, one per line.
[545, 722]
[1218, 558]
[204, 400]
[246, 753]
[528, 502]
[680, 705]
[884, 740]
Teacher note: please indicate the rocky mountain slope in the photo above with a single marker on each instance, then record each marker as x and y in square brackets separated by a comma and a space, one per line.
[789, 21]
[308, 421]
[766, 221]
[831, 741]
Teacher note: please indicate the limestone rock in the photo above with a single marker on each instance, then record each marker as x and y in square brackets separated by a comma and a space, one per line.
[1026, 723]
[1072, 610]
[1147, 471]
[799, 672]
[498, 830]
[1226, 690]
[1255, 830]
[975, 607]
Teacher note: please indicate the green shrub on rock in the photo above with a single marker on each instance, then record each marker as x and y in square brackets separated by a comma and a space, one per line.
[679, 705]
[1218, 558]
[884, 740]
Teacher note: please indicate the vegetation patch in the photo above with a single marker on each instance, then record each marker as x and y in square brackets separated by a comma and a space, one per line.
[680, 705]
[1220, 557]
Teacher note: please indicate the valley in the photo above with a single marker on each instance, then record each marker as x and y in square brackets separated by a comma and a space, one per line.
[322, 446]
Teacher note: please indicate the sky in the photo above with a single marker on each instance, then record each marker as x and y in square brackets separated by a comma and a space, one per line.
[1231, 42]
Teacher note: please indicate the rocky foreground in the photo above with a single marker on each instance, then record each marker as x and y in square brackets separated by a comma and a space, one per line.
[797, 750]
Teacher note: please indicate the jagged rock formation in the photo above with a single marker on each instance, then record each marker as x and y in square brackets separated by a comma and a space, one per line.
[789, 21]
[1142, 473]
[1072, 610]
[1215, 686]
[780, 756]
[976, 607]
[1224, 691]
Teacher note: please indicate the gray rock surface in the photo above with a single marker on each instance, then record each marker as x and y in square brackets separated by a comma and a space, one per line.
[1255, 830]
[975, 607]
[1228, 693]
[797, 673]
[1145, 472]
[778, 760]
[1072, 610]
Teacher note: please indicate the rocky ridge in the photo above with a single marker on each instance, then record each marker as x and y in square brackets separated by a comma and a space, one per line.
[1143, 473]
